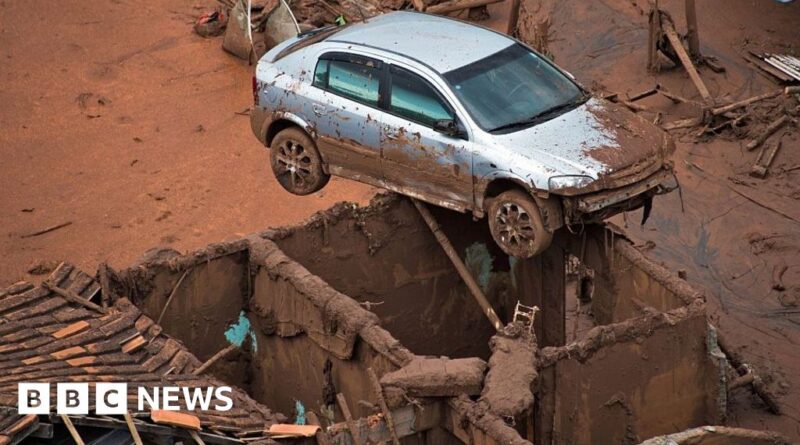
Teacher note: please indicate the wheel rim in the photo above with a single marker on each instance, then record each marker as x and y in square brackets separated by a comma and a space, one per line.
[514, 226]
[294, 163]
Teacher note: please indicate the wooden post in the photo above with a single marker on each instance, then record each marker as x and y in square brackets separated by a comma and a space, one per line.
[72, 431]
[677, 45]
[654, 36]
[513, 17]
[692, 34]
[351, 424]
[472, 285]
[132, 428]
[378, 390]
[541, 282]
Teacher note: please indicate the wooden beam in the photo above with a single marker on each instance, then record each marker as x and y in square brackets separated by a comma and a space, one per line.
[72, 431]
[348, 417]
[458, 5]
[132, 428]
[743, 103]
[458, 263]
[677, 45]
[214, 359]
[692, 33]
[387, 414]
[72, 297]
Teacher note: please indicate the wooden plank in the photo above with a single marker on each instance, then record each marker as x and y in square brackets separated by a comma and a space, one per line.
[214, 359]
[132, 428]
[387, 414]
[459, 265]
[677, 45]
[73, 298]
[458, 5]
[348, 417]
[72, 431]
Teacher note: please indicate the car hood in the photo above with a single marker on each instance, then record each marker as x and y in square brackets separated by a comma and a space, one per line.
[595, 139]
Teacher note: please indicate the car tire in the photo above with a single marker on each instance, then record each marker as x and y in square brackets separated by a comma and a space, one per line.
[516, 224]
[296, 162]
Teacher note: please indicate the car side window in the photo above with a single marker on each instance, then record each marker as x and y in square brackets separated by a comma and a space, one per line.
[352, 77]
[414, 98]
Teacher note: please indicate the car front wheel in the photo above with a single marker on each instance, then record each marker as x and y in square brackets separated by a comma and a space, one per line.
[296, 162]
[516, 224]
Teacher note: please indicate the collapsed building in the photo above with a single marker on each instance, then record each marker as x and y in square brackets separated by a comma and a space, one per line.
[357, 321]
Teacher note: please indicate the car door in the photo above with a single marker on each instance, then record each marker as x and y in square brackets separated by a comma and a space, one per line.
[418, 160]
[344, 111]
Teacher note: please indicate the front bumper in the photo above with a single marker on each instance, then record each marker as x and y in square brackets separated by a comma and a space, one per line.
[601, 205]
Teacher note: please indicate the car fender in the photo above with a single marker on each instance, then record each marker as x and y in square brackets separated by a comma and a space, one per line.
[549, 205]
[295, 119]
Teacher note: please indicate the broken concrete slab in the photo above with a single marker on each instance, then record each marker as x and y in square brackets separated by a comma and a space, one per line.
[438, 377]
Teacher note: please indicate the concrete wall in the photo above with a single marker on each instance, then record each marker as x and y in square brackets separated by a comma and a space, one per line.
[626, 283]
[209, 290]
[630, 381]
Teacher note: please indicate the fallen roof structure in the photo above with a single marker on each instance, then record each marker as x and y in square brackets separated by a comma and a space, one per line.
[54, 333]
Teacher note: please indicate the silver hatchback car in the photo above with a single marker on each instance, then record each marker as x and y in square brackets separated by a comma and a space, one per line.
[458, 116]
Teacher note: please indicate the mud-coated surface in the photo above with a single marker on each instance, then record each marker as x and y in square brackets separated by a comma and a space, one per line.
[387, 259]
[117, 117]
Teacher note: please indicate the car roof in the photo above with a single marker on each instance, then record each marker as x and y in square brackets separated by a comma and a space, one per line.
[443, 44]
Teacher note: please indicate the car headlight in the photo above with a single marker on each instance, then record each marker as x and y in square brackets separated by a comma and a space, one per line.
[562, 183]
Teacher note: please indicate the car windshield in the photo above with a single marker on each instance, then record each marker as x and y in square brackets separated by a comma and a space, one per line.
[513, 88]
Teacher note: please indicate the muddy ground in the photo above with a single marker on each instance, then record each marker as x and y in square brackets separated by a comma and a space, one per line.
[117, 118]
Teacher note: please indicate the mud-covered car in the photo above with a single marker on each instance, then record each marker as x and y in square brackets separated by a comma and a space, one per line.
[458, 116]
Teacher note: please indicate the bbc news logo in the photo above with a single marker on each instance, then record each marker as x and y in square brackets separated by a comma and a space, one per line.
[112, 398]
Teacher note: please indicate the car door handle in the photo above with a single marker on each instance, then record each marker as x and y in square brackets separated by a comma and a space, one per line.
[319, 110]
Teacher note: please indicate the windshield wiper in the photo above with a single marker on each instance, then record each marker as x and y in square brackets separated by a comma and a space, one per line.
[542, 115]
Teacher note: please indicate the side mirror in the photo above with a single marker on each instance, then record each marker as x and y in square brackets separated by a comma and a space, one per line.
[448, 127]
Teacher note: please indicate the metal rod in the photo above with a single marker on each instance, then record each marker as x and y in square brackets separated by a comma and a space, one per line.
[469, 280]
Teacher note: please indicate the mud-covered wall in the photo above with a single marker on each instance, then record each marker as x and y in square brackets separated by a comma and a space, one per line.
[386, 257]
[204, 294]
[630, 381]
[626, 283]
[301, 323]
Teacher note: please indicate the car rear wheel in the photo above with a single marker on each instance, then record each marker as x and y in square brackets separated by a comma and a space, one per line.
[296, 162]
[516, 224]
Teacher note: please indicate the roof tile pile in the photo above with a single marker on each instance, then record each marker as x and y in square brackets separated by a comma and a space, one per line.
[49, 335]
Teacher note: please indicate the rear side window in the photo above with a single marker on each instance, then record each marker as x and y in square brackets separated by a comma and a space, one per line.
[415, 99]
[352, 77]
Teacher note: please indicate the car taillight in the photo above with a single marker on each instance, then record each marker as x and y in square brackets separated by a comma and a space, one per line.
[255, 90]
